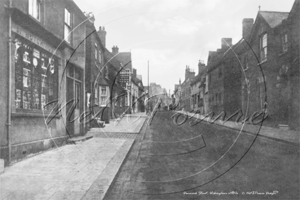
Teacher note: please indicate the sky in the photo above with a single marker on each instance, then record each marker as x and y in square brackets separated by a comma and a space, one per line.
[172, 34]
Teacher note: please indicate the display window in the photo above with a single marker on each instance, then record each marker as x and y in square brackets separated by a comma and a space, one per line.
[36, 76]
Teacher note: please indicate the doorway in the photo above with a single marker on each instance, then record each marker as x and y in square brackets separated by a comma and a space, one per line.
[74, 101]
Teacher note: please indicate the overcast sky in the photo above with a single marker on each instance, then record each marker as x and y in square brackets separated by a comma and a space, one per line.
[173, 33]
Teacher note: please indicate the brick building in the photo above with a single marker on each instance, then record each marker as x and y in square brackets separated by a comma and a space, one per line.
[224, 78]
[41, 56]
[198, 89]
[272, 67]
[185, 94]
[97, 86]
[260, 71]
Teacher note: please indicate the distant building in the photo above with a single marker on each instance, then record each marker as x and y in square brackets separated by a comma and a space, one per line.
[198, 89]
[185, 96]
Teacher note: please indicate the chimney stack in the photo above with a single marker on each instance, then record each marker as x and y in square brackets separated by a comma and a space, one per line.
[134, 73]
[102, 35]
[247, 27]
[201, 66]
[115, 50]
[189, 73]
[226, 42]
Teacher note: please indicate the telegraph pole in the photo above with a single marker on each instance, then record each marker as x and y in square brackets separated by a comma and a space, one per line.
[148, 89]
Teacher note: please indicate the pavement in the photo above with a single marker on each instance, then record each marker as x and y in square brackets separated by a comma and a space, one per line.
[289, 136]
[83, 169]
[131, 124]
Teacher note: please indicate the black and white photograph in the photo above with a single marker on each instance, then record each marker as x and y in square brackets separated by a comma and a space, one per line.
[149, 99]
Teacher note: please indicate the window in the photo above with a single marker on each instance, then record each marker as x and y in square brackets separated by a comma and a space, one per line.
[284, 42]
[96, 52]
[126, 100]
[99, 56]
[36, 77]
[34, 7]
[68, 26]
[263, 47]
[96, 92]
[220, 72]
[104, 95]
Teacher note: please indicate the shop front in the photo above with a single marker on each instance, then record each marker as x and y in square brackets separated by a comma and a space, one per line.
[35, 71]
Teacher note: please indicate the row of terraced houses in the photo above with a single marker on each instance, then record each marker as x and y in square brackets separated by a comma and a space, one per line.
[258, 73]
[58, 78]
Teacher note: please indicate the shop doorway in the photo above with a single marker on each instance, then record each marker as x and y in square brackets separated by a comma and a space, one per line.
[74, 101]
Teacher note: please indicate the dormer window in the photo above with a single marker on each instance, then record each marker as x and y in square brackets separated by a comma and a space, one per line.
[67, 26]
[34, 8]
[263, 47]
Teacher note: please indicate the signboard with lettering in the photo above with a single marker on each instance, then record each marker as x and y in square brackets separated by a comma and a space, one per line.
[34, 39]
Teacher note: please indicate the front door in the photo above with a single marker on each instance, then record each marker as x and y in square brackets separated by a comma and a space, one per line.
[74, 101]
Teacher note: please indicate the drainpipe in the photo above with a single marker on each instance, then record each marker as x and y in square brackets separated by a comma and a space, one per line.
[9, 84]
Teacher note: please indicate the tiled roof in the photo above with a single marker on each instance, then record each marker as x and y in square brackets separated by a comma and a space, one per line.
[110, 58]
[125, 59]
[274, 18]
[196, 79]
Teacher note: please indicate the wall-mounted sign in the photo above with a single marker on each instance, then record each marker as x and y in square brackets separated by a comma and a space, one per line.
[34, 39]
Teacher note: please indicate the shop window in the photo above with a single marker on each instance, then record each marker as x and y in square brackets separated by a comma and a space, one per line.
[263, 46]
[67, 26]
[284, 42]
[36, 77]
[34, 8]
